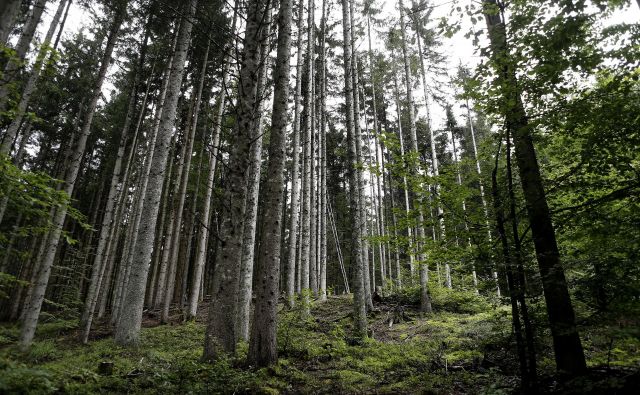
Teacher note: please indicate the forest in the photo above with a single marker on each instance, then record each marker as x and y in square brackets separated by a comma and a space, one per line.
[320, 196]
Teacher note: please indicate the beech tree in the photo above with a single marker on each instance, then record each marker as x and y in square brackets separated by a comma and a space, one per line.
[568, 348]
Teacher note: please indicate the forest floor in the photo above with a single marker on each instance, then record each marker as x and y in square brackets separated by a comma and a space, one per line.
[450, 352]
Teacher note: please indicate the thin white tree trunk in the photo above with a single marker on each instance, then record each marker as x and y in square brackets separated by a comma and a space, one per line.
[305, 255]
[481, 186]
[378, 160]
[220, 334]
[30, 85]
[203, 237]
[434, 156]
[323, 157]
[116, 231]
[98, 267]
[251, 205]
[263, 346]
[130, 318]
[359, 159]
[404, 182]
[425, 300]
[15, 62]
[295, 164]
[359, 296]
[184, 170]
[37, 297]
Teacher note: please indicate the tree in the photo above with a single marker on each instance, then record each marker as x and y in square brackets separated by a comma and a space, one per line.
[8, 13]
[262, 347]
[355, 212]
[34, 304]
[425, 302]
[566, 340]
[251, 204]
[30, 85]
[220, 334]
[295, 145]
[99, 265]
[203, 237]
[130, 318]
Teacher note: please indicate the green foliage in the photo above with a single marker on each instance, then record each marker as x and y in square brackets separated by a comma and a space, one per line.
[33, 195]
[450, 300]
[315, 357]
[8, 281]
[17, 378]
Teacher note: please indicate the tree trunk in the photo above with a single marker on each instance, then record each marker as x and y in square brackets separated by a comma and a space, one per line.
[34, 304]
[481, 186]
[323, 156]
[425, 300]
[203, 237]
[30, 85]
[569, 354]
[305, 222]
[114, 237]
[220, 334]
[359, 158]
[359, 302]
[8, 12]
[99, 266]
[515, 315]
[295, 173]
[182, 192]
[130, 318]
[407, 206]
[263, 347]
[251, 204]
[518, 271]
[14, 64]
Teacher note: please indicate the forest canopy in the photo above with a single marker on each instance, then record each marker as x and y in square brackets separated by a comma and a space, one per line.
[319, 196]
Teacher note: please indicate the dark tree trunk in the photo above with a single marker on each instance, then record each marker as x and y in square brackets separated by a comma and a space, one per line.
[566, 340]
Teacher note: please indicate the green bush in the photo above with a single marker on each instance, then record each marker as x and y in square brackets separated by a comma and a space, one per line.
[445, 299]
[16, 378]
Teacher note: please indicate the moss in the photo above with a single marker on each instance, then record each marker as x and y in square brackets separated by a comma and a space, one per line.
[439, 353]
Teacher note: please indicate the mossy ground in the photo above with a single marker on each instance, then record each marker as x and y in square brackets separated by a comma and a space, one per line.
[448, 352]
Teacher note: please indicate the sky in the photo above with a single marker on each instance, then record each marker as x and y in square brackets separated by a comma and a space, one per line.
[458, 49]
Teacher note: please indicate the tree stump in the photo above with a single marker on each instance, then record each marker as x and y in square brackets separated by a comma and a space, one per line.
[105, 368]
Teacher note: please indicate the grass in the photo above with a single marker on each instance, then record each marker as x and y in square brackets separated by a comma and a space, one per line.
[447, 352]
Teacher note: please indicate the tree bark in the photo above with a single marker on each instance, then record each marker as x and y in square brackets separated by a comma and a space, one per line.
[8, 12]
[359, 302]
[305, 222]
[30, 85]
[295, 173]
[569, 354]
[182, 192]
[14, 64]
[323, 156]
[98, 267]
[425, 300]
[251, 204]
[263, 346]
[130, 318]
[37, 297]
[359, 159]
[481, 187]
[203, 238]
[220, 336]
[407, 205]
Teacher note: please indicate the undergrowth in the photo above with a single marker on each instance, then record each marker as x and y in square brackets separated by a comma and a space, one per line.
[456, 350]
